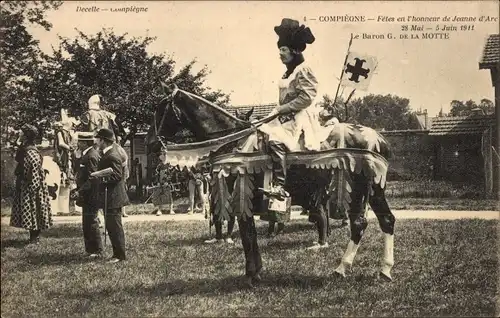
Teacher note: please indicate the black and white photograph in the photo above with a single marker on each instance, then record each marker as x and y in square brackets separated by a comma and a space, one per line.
[250, 158]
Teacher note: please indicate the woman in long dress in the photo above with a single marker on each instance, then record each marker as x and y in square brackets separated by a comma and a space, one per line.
[31, 209]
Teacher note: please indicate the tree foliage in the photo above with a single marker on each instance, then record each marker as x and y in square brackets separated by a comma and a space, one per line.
[121, 69]
[389, 112]
[465, 108]
[21, 60]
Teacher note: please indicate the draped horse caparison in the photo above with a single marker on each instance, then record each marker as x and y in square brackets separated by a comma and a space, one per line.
[347, 174]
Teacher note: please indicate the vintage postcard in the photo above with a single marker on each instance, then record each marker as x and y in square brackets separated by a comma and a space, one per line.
[250, 158]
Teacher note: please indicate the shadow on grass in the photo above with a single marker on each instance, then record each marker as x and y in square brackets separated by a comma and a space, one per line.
[66, 231]
[294, 227]
[233, 284]
[208, 286]
[54, 259]
[14, 243]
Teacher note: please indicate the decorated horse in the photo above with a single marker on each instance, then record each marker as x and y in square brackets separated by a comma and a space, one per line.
[348, 173]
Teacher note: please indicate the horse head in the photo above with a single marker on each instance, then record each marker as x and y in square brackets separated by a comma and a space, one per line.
[183, 117]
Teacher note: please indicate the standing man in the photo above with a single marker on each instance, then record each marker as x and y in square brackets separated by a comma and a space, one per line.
[88, 197]
[117, 196]
[97, 118]
[126, 170]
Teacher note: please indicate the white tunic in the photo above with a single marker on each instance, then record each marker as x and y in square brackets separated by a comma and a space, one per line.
[297, 93]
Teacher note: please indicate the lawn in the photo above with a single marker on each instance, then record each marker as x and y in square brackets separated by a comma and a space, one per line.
[396, 203]
[443, 268]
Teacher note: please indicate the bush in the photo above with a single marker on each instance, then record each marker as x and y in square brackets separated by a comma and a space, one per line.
[433, 189]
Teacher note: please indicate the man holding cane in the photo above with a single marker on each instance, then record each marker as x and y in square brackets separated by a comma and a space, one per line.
[88, 197]
[114, 186]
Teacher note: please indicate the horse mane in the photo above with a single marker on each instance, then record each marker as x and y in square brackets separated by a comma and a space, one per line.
[183, 118]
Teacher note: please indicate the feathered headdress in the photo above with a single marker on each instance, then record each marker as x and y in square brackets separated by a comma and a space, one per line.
[293, 35]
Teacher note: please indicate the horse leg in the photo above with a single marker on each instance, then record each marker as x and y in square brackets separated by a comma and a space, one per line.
[319, 218]
[253, 260]
[386, 221]
[358, 223]
[230, 226]
[321, 227]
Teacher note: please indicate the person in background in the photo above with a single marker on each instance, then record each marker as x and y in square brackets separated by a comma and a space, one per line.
[195, 186]
[162, 193]
[116, 194]
[88, 197]
[139, 186]
[63, 150]
[219, 238]
[31, 208]
[126, 170]
[96, 118]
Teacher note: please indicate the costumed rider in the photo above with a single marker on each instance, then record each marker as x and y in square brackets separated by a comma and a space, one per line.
[297, 113]
[96, 119]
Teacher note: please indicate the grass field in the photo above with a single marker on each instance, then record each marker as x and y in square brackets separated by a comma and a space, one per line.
[181, 205]
[443, 268]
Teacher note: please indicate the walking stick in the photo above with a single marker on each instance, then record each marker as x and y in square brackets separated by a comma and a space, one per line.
[328, 208]
[105, 210]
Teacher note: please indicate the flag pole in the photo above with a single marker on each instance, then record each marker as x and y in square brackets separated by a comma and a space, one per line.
[342, 72]
[334, 102]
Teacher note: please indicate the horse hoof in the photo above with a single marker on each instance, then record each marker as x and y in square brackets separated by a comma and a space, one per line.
[385, 277]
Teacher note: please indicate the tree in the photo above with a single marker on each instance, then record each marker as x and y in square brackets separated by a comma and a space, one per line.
[20, 60]
[336, 109]
[487, 106]
[123, 72]
[461, 108]
[377, 111]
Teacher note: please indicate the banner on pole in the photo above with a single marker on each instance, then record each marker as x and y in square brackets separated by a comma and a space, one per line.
[358, 70]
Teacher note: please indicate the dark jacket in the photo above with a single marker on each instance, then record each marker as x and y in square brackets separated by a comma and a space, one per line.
[117, 194]
[89, 190]
[124, 158]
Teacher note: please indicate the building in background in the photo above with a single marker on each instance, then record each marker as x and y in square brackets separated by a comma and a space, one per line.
[490, 60]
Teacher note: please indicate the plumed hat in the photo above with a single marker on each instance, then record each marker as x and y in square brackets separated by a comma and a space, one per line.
[293, 35]
[106, 134]
[85, 136]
